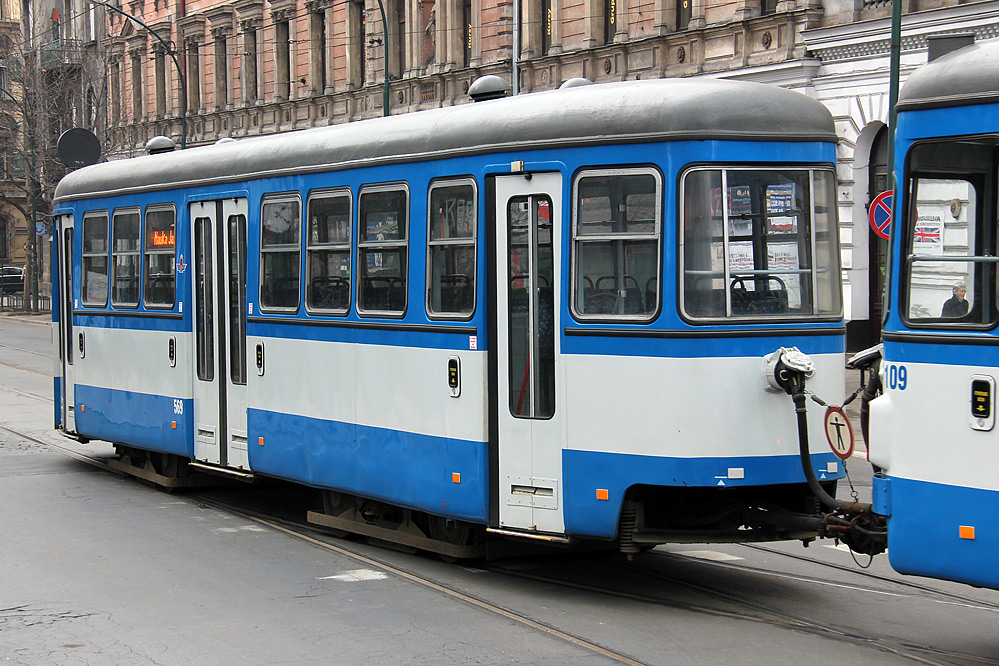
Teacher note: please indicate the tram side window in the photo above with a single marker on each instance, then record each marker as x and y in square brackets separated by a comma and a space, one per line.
[125, 258]
[328, 253]
[451, 252]
[951, 234]
[759, 243]
[94, 282]
[382, 245]
[617, 225]
[161, 265]
[280, 253]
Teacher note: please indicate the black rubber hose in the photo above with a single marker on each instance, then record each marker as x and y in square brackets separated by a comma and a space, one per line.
[806, 461]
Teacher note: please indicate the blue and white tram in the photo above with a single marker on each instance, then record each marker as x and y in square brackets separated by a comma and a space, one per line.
[932, 431]
[544, 315]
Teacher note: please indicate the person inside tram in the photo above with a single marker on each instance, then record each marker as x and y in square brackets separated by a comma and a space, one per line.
[956, 306]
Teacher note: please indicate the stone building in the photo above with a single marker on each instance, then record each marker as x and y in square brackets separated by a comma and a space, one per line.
[261, 66]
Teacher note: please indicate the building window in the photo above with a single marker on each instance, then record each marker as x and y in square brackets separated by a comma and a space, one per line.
[328, 253]
[248, 78]
[221, 70]
[137, 87]
[451, 252]
[160, 264]
[617, 222]
[280, 253]
[282, 60]
[382, 246]
[768, 7]
[125, 259]
[317, 39]
[683, 11]
[94, 281]
[193, 76]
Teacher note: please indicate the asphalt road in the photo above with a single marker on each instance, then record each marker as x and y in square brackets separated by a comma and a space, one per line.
[100, 569]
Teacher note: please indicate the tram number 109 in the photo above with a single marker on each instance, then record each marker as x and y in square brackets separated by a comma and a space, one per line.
[896, 377]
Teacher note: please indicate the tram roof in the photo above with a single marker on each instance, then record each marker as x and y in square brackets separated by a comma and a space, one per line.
[625, 112]
[966, 76]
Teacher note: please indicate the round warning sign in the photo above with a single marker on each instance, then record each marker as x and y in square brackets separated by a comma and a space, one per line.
[839, 432]
[879, 214]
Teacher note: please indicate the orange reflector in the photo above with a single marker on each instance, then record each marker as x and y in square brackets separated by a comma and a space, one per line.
[602, 494]
[173, 424]
[456, 477]
[261, 441]
[83, 408]
[967, 531]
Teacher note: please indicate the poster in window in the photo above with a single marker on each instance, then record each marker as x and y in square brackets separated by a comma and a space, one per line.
[780, 199]
[927, 235]
[784, 256]
[740, 210]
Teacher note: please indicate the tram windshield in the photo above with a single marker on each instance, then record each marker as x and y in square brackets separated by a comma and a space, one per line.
[759, 243]
[951, 234]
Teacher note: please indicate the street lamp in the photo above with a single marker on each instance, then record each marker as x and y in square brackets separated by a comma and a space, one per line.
[176, 63]
[385, 91]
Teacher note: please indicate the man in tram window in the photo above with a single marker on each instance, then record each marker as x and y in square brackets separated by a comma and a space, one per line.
[956, 306]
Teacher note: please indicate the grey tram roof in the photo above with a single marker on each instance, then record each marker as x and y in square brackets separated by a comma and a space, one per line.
[966, 76]
[635, 111]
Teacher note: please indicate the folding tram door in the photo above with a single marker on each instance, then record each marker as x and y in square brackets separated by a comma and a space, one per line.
[219, 263]
[65, 246]
[528, 412]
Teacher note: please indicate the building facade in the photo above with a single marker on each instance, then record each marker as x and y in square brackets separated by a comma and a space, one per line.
[201, 70]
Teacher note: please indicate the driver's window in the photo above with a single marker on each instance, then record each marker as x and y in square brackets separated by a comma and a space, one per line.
[617, 222]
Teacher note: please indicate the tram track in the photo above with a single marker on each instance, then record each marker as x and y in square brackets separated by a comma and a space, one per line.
[709, 600]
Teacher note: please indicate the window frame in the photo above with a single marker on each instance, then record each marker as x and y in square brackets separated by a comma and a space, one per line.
[658, 237]
[982, 258]
[91, 215]
[276, 198]
[810, 170]
[113, 265]
[473, 242]
[367, 245]
[329, 193]
[157, 208]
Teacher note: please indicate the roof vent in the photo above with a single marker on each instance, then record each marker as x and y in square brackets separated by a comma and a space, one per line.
[225, 139]
[941, 45]
[575, 83]
[488, 87]
[160, 144]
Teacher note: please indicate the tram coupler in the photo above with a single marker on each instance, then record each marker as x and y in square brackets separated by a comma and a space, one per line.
[853, 523]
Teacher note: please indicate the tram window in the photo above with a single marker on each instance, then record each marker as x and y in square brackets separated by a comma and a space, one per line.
[328, 253]
[451, 252]
[161, 244]
[125, 258]
[94, 282]
[617, 225]
[759, 243]
[951, 237]
[280, 253]
[382, 245]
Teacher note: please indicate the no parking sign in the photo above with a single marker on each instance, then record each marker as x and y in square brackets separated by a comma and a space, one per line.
[880, 214]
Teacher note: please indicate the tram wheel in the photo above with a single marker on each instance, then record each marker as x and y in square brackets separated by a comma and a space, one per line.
[333, 505]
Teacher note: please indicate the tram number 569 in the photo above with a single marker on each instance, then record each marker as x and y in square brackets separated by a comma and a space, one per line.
[897, 377]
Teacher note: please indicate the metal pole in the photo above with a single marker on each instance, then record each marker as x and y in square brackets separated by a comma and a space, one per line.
[896, 50]
[385, 91]
[176, 63]
[516, 47]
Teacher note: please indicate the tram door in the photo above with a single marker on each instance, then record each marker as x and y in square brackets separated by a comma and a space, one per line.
[219, 262]
[530, 415]
[67, 351]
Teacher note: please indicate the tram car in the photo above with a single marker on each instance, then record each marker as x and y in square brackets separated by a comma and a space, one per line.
[932, 431]
[543, 316]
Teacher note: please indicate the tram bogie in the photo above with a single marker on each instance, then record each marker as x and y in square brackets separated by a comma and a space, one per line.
[541, 317]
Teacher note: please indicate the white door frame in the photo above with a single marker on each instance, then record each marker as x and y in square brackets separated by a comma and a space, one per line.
[530, 411]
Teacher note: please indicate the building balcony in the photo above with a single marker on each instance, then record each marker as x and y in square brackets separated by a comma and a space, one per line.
[61, 53]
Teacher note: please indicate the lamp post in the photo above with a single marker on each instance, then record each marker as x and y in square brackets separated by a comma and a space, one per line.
[176, 63]
[385, 91]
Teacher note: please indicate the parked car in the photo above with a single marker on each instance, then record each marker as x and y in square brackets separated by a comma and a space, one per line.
[11, 280]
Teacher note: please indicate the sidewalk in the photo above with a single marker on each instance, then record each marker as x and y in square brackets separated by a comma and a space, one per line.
[36, 318]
